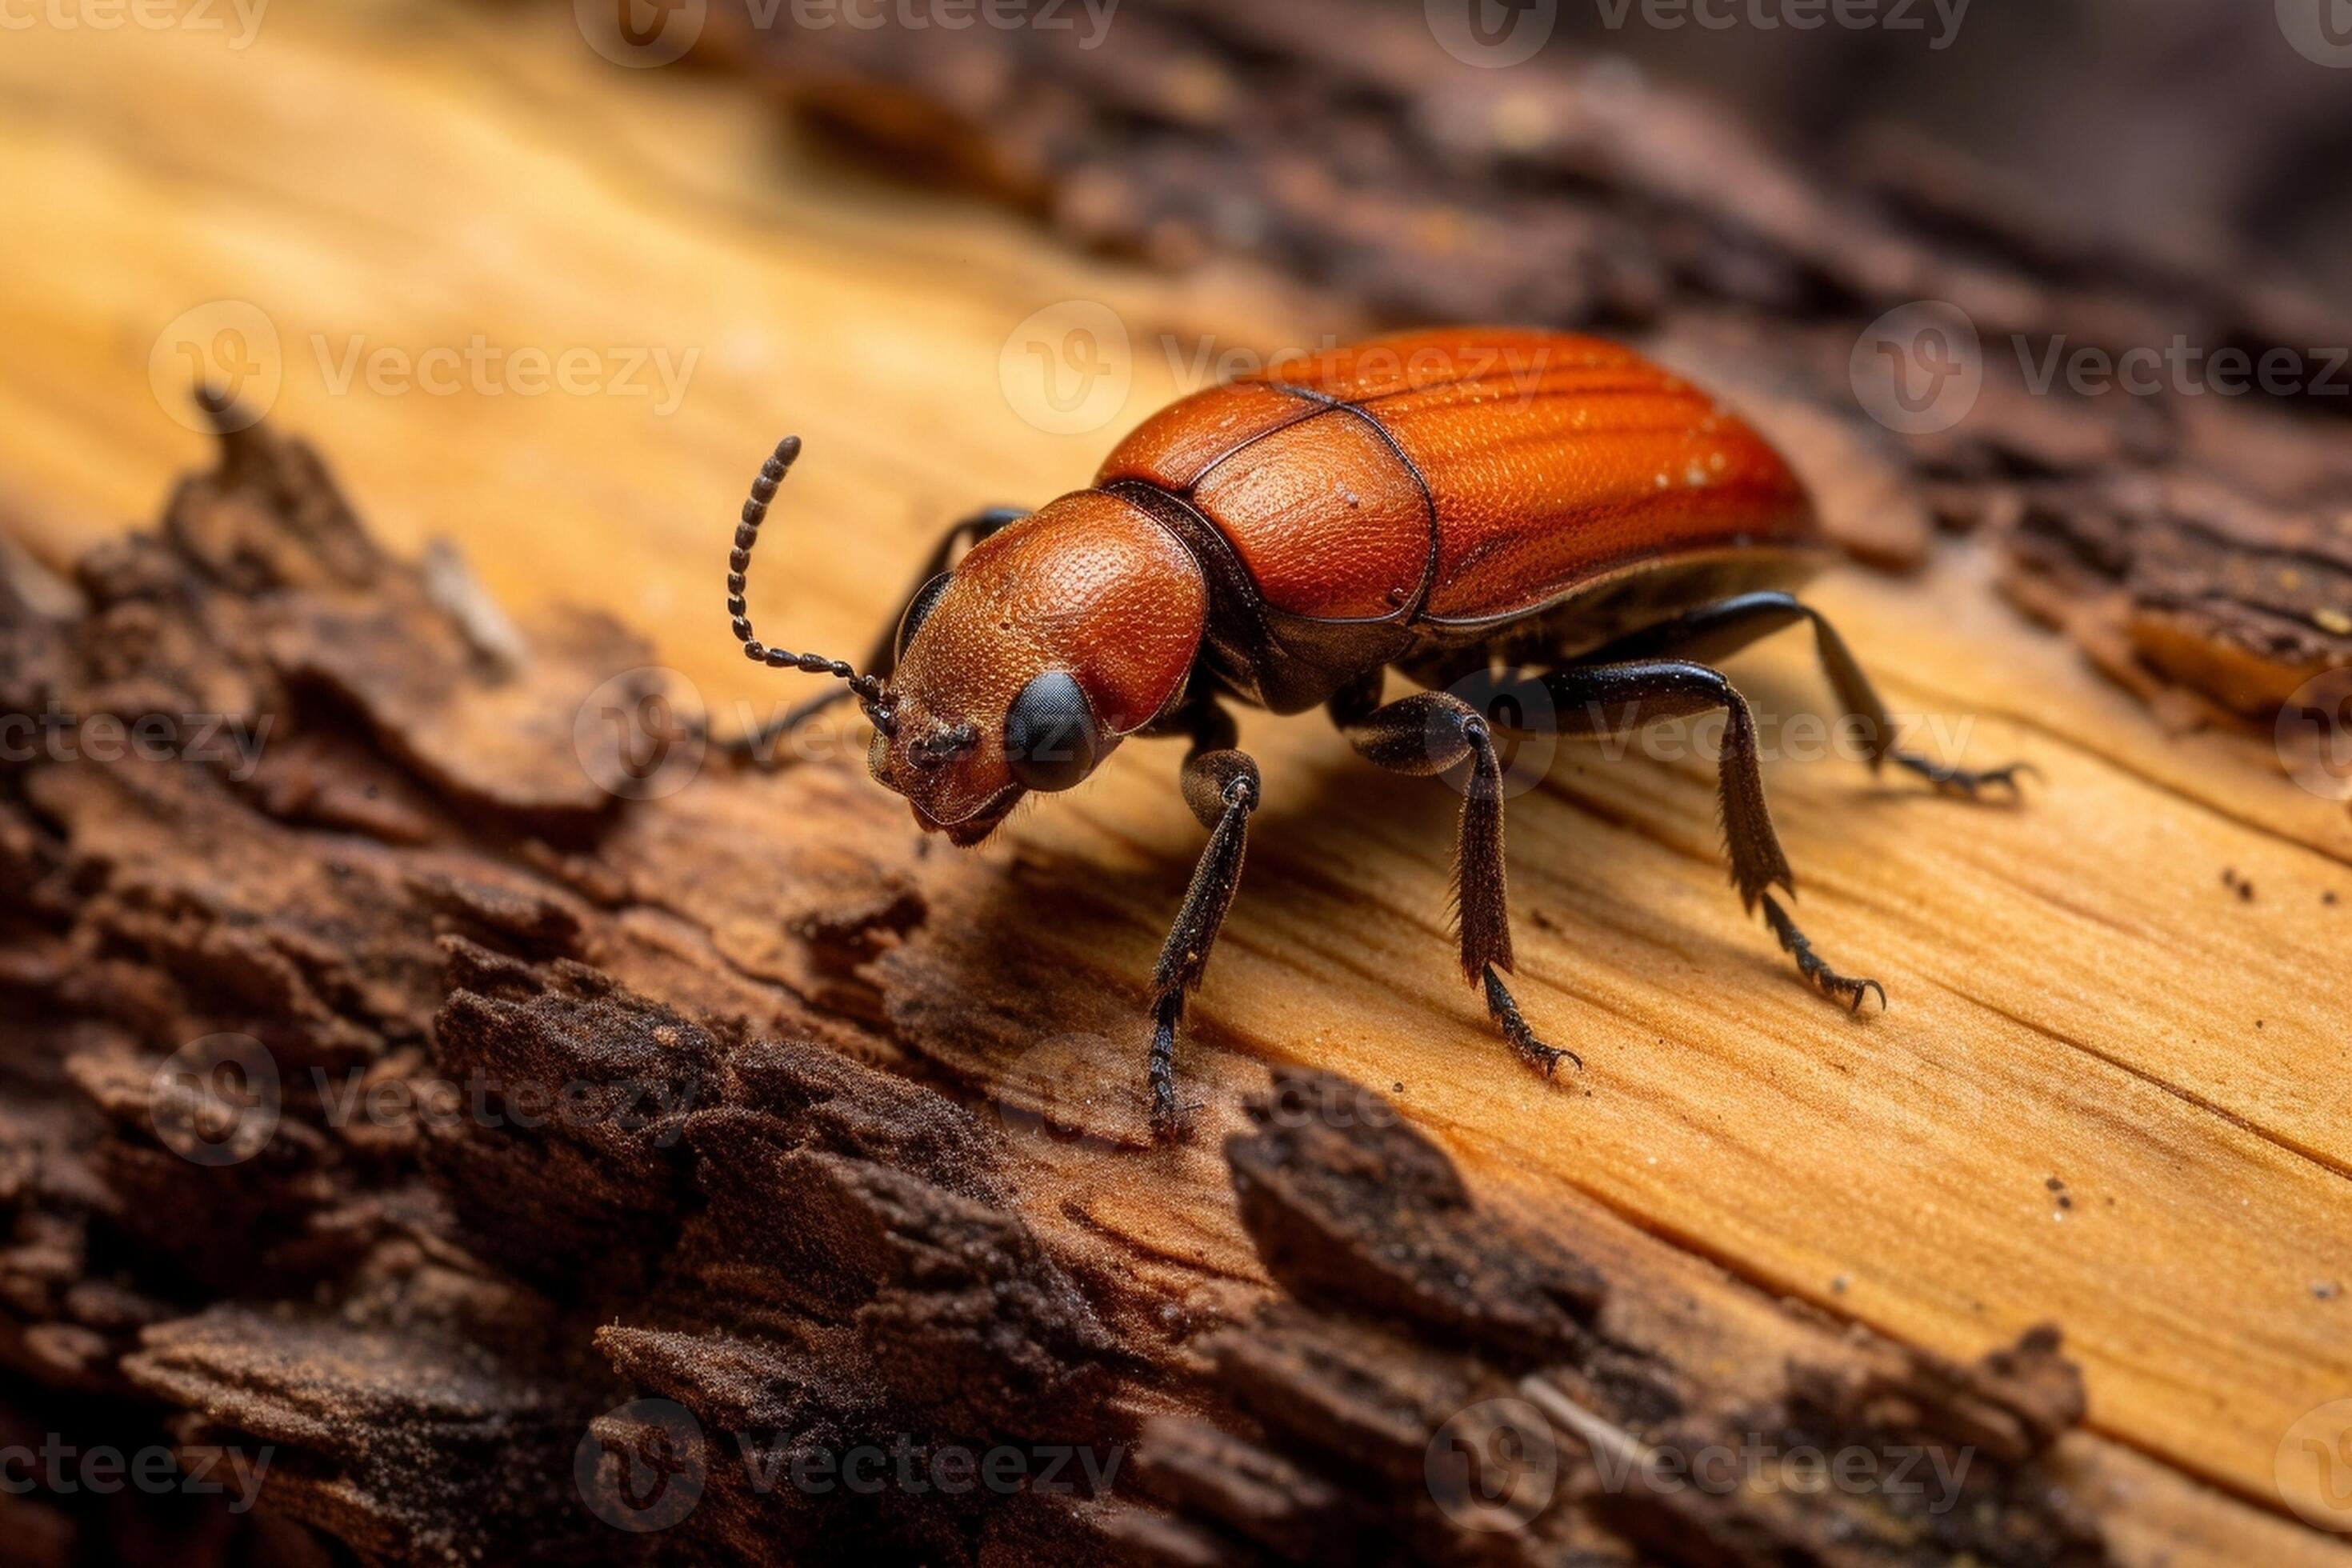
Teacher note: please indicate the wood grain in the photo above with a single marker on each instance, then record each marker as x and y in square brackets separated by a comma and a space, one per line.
[2077, 995]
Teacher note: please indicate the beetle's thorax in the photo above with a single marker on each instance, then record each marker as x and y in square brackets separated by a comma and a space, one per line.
[1090, 584]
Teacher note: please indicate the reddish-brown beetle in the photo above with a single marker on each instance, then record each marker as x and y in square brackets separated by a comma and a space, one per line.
[1507, 518]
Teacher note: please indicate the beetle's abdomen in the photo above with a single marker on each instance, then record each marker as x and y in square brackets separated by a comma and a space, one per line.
[1466, 476]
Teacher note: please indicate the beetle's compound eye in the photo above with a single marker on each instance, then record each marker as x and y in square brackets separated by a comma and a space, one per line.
[1049, 737]
[917, 609]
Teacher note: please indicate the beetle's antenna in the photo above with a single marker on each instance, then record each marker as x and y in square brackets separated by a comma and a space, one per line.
[869, 688]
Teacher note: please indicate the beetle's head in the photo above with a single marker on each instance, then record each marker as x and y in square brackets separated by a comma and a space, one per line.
[1021, 669]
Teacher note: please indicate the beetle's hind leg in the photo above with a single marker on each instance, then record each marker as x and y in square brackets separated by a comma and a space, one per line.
[760, 744]
[1715, 631]
[1428, 733]
[1592, 699]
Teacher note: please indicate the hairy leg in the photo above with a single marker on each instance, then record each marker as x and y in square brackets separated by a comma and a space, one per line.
[1589, 700]
[1712, 632]
[1427, 733]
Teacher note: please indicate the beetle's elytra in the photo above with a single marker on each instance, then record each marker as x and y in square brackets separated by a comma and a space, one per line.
[1524, 523]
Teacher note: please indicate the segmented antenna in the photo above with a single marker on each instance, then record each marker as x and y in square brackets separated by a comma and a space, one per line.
[868, 687]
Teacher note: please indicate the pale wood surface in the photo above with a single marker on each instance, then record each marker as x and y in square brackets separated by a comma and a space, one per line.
[2075, 992]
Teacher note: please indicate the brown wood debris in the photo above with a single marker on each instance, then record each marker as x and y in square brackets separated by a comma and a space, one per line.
[565, 1153]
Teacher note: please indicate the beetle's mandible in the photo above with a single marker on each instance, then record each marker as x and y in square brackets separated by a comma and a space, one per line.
[1520, 522]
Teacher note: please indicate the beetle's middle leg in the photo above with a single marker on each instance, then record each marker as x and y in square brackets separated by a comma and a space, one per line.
[1428, 733]
[1221, 786]
[1715, 631]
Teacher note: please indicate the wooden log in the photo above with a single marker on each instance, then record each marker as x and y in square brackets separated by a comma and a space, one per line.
[425, 1319]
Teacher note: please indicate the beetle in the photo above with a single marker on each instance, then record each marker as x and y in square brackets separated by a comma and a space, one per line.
[1542, 530]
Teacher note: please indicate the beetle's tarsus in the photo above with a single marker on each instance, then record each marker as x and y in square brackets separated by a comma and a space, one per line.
[1167, 1116]
[1811, 964]
[1545, 1060]
[1963, 781]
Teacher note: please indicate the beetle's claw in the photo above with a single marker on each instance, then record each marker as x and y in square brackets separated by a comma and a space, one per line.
[1965, 781]
[1545, 1060]
[1170, 1122]
[1816, 973]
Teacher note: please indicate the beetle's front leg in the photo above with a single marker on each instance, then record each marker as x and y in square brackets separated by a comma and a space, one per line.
[1426, 734]
[1221, 786]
